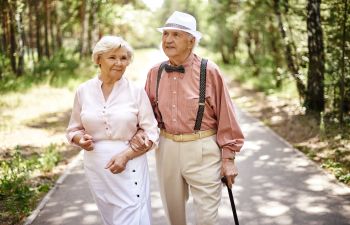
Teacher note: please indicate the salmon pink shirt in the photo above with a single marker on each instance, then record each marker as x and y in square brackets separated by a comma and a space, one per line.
[178, 97]
[118, 118]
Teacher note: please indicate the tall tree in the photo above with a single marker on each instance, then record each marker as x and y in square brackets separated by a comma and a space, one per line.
[314, 100]
[12, 35]
[46, 14]
[38, 20]
[21, 38]
[342, 74]
[291, 62]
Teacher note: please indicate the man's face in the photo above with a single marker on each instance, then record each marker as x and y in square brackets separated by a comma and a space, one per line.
[177, 44]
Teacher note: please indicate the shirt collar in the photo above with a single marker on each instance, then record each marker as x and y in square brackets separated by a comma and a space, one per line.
[100, 82]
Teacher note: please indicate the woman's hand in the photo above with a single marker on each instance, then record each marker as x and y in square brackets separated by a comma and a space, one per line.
[140, 141]
[118, 162]
[84, 141]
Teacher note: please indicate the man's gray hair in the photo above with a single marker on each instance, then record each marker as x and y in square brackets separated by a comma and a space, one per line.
[108, 43]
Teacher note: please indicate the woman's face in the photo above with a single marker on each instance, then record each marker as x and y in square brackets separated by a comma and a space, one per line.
[113, 63]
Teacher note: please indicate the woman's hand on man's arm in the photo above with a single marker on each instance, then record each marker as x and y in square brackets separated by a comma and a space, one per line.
[140, 142]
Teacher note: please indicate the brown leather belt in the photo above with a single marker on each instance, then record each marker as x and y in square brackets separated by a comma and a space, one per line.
[187, 137]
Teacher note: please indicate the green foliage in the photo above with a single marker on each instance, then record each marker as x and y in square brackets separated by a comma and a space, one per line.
[338, 169]
[55, 71]
[17, 193]
[49, 158]
[333, 21]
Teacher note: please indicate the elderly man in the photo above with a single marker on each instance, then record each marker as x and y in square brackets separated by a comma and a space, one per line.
[199, 131]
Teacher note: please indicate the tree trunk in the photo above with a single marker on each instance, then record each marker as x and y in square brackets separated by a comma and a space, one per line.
[59, 41]
[92, 18]
[249, 39]
[2, 44]
[21, 41]
[46, 28]
[275, 53]
[13, 45]
[292, 66]
[342, 75]
[51, 24]
[314, 101]
[235, 40]
[84, 24]
[30, 32]
[38, 30]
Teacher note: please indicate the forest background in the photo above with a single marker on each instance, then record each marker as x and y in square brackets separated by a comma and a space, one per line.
[287, 62]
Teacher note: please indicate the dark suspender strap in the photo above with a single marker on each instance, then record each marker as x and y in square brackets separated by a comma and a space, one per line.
[160, 70]
[202, 87]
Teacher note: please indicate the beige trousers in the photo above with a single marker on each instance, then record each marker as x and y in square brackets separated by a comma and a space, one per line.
[190, 166]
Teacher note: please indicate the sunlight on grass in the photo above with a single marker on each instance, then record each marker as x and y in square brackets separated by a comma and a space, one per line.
[28, 116]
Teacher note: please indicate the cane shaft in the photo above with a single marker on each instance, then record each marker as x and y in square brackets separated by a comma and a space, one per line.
[235, 217]
[233, 206]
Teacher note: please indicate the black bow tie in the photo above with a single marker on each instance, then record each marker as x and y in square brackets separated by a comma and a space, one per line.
[170, 69]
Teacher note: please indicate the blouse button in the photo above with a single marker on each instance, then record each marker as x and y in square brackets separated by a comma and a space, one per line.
[135, 183]
[138, 196]
[134, 171]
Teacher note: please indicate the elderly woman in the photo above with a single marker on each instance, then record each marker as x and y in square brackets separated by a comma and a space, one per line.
[106, 114]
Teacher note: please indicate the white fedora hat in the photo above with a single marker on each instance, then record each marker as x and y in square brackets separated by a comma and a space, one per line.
[182, 21]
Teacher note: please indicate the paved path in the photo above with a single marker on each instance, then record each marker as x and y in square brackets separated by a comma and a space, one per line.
[276, 185]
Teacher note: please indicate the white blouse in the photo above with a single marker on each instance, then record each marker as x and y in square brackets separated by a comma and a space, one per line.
[127, 108]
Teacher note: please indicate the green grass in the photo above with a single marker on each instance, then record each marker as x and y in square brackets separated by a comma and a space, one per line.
[18, 193]
[64, 69]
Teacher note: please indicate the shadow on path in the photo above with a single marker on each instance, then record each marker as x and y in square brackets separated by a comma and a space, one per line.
[276, 186]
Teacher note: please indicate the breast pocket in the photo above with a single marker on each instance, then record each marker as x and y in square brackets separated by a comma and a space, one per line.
[192, 104]
[191, 108]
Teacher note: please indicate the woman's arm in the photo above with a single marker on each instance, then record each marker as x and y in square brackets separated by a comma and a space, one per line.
[118, 162]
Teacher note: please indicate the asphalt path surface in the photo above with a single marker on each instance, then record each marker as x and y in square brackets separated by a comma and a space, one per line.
[276, 185]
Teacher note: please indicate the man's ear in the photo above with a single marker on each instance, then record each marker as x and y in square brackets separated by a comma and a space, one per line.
[192, 41]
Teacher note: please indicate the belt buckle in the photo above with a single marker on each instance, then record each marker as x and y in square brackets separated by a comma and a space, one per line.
[198, 134]
[177, 138]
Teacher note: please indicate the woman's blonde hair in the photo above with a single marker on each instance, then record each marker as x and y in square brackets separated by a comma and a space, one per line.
[108, 43]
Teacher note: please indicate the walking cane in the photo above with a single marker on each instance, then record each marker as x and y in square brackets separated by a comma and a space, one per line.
[235, 217]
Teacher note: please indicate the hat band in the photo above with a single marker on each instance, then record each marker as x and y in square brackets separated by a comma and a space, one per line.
[177, 26]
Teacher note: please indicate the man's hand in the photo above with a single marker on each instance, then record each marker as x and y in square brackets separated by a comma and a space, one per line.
[229, 170]
[117, 163]
[140, 141]
[86, 142]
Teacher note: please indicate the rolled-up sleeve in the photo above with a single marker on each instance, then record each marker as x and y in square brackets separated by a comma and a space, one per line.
[229, 135]
[75, 125]
[146, 119]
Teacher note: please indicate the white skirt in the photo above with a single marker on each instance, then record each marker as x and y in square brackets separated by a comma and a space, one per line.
[124, 198]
